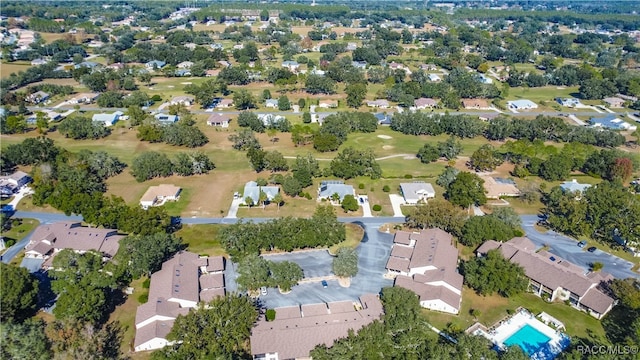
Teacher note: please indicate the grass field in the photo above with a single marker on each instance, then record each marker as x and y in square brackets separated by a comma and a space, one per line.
[493, 308]
[202, 239]
[19, 231]
[7, 69]
[355, 233]
[126, 315]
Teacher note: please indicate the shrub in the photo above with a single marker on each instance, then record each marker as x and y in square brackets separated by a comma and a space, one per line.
[307, 196]
[386, 188]
[270, 314]
[377, 207]
[143, 298]
[361, 186]
[408, 176]
[146, 283]
[156, 98]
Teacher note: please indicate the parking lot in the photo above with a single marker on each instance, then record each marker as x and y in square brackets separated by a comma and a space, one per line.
[373, 253]
[567, 248]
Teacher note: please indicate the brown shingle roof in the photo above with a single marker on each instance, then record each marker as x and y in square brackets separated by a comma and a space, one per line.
[402, 237]
[178, 278]
[211, 281]
[429, 292]
[295, 337]
[397, 264]
[434, 248]
[210, 294]
[338, 307]
[401, 251]
[598, 301]
[71, 235]
[159, 307]
[215, 263]
[157, 329]
[289, 312]
[314, 309]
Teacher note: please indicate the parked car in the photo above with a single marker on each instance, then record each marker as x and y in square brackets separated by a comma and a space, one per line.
[582, 243]
[592, 249]
[324, 284]
[263, 291]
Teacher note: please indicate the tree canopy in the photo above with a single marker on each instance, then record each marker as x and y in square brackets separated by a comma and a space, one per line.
[19, 293]
[493, 273]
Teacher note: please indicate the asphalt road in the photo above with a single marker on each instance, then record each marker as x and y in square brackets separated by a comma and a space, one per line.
[567, 248]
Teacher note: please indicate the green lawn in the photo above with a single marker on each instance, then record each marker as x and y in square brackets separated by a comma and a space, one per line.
[176, 208]
[19, 230]
[355, 233]
[202, 239]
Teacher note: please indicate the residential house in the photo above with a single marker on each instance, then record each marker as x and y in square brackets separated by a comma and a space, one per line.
[316, 71]
[182, 72]
[574, 186]
[488, 116]
[417, 191]
[475, 104]
[496, 187]
[84, 98]
[383, 119]
[183, 281]
[297, 330]
[523, 104]
[426, 263]
[292, 66]
[614, 102]
[330, 187]
[381, 103]
[396, 66]
[158, 195]
[270, 119]
[423, 103]
[10, 184]
[185, 65]
[351, 46]
[271, 103]
[221, 120]
[107, 119]
[37, 97]
[86, 64]
[328, 104]
[434, 78]
[115, 66]
[49, 239]
[225, 103]
[568, 102]
[49, 114]
[212, 72]
[38, 62]
[224, 63]
[359, 64]
[185, 100]
[484, 79]
[428, 67]
[166, 119]
[612, 122]
[155, 64]
[555, 278]
[252, 190]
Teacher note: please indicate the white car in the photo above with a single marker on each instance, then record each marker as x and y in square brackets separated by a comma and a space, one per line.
[263, 291]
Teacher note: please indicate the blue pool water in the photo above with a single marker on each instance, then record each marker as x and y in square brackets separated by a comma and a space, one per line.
[529, 339]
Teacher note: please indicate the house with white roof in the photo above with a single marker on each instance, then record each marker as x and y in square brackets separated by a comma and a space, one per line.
[166, 119]
[221, 120]
[614, 102]
[574, 186]
[330, 187]
[522, 104]
[568, 102]
[434, 78]
[612, 122]
[416, 192]
[107, 119]
[271, 103]
[252, 190]
[186, 100]
[380, 103]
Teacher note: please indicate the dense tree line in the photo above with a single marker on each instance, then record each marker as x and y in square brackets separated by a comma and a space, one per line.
[493, 273]
[351, 163]
[255, 272]
[286, 234]
[336, 127]
[151, 164]
[81, 127]
[177, 134]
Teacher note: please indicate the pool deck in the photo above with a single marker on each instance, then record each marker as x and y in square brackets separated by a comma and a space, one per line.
[509, 326]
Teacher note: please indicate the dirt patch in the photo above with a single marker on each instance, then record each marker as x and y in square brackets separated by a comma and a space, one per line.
[186, 83]
[409, 157]
[344, 282]
[387, 147]
[385, 137]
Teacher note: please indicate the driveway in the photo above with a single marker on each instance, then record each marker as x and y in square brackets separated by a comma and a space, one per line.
[567, 248]
[396, 201]
[363, 200]
[373, 252]
[233, 209]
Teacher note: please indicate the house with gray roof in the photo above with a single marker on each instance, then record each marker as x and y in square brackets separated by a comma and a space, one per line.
[329, 187]
[9, 184]
[182, 282]
[271, 103]
[426, 263]
[612, 122]
[107, 119]
[574, 186]
[296, 330]
[555, 278]
[417, 191]
[252, 190]
[166, 119]
[522, 104]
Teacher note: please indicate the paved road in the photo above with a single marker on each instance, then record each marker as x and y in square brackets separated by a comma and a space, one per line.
[567, 248]
[373, 252]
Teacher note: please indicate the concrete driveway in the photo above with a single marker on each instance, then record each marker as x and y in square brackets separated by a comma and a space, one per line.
[396, 201]
[567, 248]
[233, 209]
[373, 252]
[363, 200]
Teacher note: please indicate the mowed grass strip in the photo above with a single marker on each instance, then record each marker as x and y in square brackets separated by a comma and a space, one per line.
[202, 239]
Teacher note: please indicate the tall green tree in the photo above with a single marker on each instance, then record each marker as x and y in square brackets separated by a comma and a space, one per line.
[466, 190]
[25, 340]
[345, 263]
[146, 253]
[439, 214]
[19, 293]
[493, 273]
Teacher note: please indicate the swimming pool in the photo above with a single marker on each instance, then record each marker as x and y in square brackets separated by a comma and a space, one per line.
[529, 339]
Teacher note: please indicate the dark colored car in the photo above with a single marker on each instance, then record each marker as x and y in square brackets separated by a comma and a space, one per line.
[324, 284]
[591, 249]
[582, 243]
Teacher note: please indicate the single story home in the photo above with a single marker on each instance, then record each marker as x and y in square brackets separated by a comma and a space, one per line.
[38, 62]
[10, 184]
[252, 190]
[225, 103]
[270, 119]
[182, 72]
[383, 119]
[568, 102]
[271, 103]
[426, 263]
[522, 104]
[359, 64]
[166, 119]
[434, 78]
[155, 64]
[423, 103]
[291, 65]
[158, 195]
[87, 64]
[484, 79]
[574, 186]
[612, 122]
[328, 104]
[330, 187]
[185, 100]
[107, 119]
[84, 98]
[428, 67]
[185, 65]
[555, 278]
[381, 103]
[496, 188]
[37, 97]
[475, 104]
[224, 63]
[417, 191]
[488, 116]
[212, 72]
[221, 120]
[614, 102]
